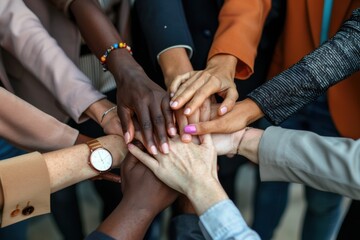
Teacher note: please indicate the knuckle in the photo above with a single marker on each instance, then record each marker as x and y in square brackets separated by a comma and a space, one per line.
[146, 125]
[158, 120]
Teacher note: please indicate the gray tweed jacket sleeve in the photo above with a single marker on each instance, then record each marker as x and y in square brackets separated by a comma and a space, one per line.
[302, 83]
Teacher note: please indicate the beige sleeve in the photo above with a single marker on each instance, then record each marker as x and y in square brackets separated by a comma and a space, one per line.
[25, 188]
[28, 127]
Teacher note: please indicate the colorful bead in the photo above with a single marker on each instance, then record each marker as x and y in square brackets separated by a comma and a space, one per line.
[119, 45]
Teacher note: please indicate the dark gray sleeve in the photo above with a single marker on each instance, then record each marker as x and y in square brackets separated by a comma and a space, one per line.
[185, 227]
[301, 84]
[164, 25]
[96, 235]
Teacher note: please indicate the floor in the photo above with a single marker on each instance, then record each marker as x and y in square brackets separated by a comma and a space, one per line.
[44, 228]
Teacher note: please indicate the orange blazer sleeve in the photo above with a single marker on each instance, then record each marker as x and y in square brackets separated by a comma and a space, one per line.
[239, 32]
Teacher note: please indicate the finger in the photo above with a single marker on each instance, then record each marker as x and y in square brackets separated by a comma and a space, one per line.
[168, 115]
[146, 128]
[109, 176]
[219, 125]
[229, 101]
[126, 123]
[143, 157]
[205, 111]
[178, 81]
[206, 140]
[158, 121]
[178, 100]
[205, 92]
[182, 121]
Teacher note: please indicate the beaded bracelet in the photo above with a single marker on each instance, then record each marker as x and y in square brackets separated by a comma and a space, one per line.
[119, 45]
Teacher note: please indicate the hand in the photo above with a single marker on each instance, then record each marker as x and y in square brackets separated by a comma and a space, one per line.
[144, 197]
[186, 165]
[194, 87]
[190, 169]
[142, 189]
[244, 113]
[137, 94]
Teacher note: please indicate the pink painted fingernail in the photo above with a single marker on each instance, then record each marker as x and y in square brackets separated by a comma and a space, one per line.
[186, 138]
[153, 150]
[165, 148]
[127, 137]
[172, 131]
[174, 104]
[187, 111]
[223, 110]
[190, 129]
[172, 94]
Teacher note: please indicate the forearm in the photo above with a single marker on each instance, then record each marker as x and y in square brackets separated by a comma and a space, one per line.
[301, 84]
[126, 222]
[69, 166]
[99, 34]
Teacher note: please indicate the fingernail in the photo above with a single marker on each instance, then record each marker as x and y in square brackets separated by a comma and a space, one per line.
[165, 148]
[130, 146]
[172, 94]
[174, 104]
[223, 110]
[187, 111]
[153, 150]
[127, 137]
[190, 129]
[186, 138]
[172, 131]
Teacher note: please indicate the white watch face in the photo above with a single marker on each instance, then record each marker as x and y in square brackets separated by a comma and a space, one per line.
[101, 159]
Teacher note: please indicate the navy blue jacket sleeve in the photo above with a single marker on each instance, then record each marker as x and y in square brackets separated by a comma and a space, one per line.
[164, 25]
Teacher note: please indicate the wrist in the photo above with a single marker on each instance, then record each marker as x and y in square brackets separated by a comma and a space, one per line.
[96, 110]
[116, 146]
[205, 194]
[226, 61]
[174, 62]
[249, 145]
[250, 111]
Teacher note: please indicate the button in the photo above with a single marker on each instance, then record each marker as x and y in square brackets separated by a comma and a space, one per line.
[207, 33]
[28, 210]
[15, 212]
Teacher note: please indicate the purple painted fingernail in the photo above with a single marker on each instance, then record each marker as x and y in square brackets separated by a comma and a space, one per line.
[190, 129]
[172, 94]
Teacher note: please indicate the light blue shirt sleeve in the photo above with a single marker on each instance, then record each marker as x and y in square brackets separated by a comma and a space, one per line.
[224, 221]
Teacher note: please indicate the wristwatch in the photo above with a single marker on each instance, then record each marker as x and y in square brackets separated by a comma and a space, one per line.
[100, 158]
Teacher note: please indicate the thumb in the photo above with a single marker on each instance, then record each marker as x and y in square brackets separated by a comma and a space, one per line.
[202, 128]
